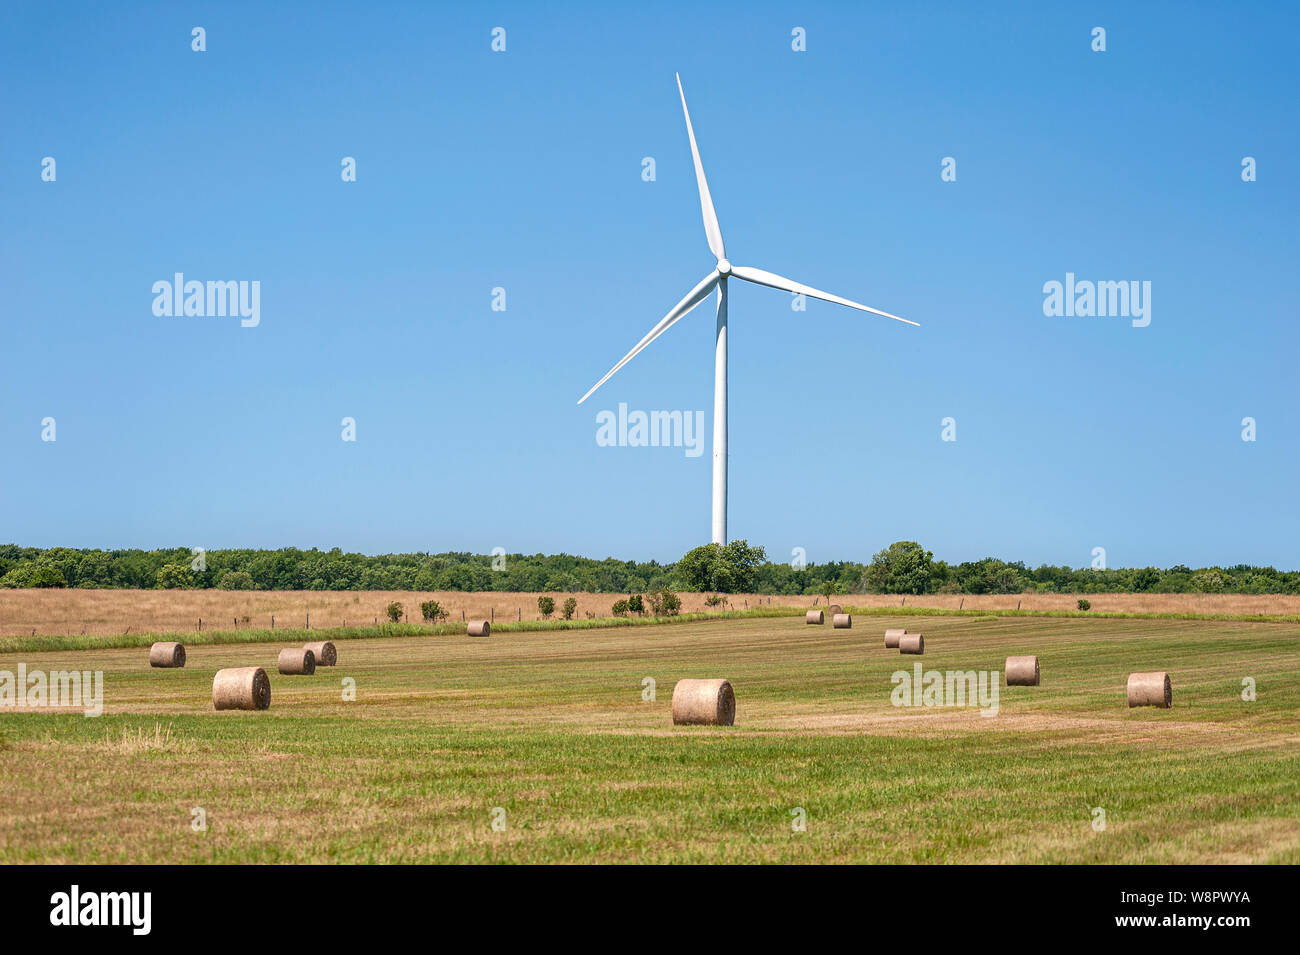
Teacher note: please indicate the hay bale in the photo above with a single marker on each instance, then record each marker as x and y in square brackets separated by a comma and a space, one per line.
[480, 628]
[833, 609]
[167, 655]
[241, 688]
[911, 643]
[704, 703]
[296, 661]
[1021, 671]
[814, 616]
[1150, 689]
[325, 653]
[842, 621]
[892, 637]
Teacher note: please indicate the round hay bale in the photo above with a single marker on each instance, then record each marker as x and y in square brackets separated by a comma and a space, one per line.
[833, 609]
[325, 653]
[892, 637]
[814, 616]
[842, 621]
[704, 703]
[480, 628]
[241, 688]
[296, 661]
[1150, 689]
[1021, 671]
[911, 643]
[167, 655]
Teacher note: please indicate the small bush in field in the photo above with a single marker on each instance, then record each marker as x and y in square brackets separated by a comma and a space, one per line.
[1084, 604]
[570, 607]
[394, 611]
[635, 604]
[546, 605]
[620, 608]
[665, 603]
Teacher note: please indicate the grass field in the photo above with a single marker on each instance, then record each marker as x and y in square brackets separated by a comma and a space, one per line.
[551, 727]
[113, 612]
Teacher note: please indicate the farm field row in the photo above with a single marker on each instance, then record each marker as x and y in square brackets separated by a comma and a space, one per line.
[550, 734]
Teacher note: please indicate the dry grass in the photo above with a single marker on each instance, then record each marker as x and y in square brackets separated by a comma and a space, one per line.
[103, 612]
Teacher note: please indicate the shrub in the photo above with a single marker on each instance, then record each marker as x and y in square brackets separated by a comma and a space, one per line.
[432, 611]
[235, 580]
[394, 611]
[620, 608]
[664, 603]
[546, 605]
[636, 604]
[1084, 604]
[570, 607]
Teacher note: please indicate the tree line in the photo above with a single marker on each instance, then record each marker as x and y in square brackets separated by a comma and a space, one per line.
[902, 568]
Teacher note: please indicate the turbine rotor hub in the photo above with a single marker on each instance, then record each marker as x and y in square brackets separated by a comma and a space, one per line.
[724, 267]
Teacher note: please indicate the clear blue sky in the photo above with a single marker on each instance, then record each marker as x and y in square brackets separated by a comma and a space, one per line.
[523, 170]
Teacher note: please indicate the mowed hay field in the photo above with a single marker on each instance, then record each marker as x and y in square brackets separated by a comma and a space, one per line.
[552, 728]
[110, 612]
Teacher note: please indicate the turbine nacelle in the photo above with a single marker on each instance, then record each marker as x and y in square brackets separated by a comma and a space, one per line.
[724, 268]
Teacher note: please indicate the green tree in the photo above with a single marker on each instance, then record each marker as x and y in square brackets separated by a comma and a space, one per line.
[394, 611]
[235, 580]
[175, 577]
[546, 605]
[904, 567]
[730, 570]
[570, 606]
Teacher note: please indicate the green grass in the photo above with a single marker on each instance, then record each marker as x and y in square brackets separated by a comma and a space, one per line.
[550, 725]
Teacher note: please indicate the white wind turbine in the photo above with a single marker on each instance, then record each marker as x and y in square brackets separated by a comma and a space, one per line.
[718, 279]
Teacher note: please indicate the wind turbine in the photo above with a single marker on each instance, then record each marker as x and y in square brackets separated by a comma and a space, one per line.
[718, 279]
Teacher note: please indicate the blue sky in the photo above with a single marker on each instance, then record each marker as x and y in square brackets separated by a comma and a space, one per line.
[522, 170]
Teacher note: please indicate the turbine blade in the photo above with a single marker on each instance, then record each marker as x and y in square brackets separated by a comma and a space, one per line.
[772, 280]
[711, 229]
[694, 297]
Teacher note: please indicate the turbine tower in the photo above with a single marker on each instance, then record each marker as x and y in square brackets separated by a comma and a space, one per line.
[722, 271]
